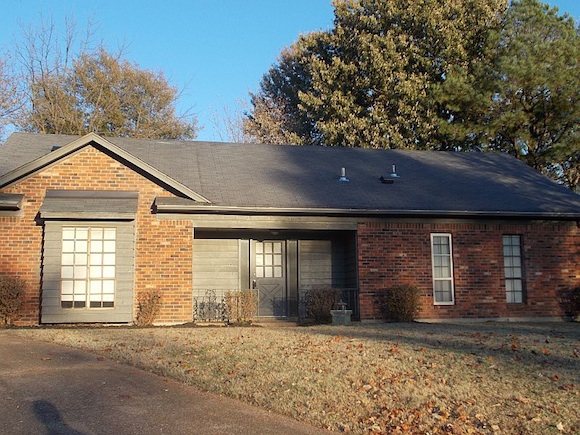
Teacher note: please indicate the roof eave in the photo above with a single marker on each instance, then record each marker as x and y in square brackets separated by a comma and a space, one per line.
[307, 211]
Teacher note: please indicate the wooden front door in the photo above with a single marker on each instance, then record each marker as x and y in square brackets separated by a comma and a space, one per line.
[270, 277]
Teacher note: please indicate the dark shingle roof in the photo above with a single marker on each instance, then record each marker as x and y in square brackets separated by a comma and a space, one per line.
[253, 175]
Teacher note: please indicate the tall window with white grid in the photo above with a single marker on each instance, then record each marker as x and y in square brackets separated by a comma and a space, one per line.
[88, 267]
[513, 269]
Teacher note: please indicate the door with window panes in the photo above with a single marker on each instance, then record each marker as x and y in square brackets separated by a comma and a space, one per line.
[269, 277]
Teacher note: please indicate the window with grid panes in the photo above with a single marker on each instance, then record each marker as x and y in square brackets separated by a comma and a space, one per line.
[512, 266]
[269, 261]
[442, 263]
[88, 267]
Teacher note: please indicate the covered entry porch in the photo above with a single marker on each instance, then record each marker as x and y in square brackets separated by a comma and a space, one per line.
[279, 265]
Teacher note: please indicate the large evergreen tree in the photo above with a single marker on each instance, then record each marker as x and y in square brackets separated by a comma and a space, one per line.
[276, 115]
[536, 109]
[525, 99]
[433, 74]
[368, 82]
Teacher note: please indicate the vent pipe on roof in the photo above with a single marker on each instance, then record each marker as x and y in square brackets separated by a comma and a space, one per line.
[343, 175]
[390, 178]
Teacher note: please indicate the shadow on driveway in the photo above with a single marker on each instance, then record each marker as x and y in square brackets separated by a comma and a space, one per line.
[49, 416]
[54, 390]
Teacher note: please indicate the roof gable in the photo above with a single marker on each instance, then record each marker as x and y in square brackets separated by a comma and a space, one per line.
[58, 153]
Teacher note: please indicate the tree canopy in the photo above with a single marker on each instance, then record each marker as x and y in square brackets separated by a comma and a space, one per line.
[8, 94]
[435, 74]
[277, 115]
[368, 81]
[67, 88]
[526, 99]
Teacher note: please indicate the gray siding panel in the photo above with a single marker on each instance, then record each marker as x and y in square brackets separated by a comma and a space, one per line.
[216, 265]
[52, 312]
[245, 281]
[292, 276]
[321, 263]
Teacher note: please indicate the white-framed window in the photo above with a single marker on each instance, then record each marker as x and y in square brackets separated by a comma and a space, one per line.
[442, 263]
[88, 268]
[512, 266]
[269, 259]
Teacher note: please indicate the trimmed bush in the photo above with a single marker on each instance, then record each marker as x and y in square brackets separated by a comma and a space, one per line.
[400, 303]
[241, 306]
[12, 289]
[149, 305]
[319, 302]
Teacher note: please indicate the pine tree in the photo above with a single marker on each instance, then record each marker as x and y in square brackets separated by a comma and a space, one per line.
[525, 99]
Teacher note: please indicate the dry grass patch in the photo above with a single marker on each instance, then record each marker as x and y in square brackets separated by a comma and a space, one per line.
[394, 378]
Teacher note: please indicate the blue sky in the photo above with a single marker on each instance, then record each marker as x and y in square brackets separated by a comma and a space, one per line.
[217, 50]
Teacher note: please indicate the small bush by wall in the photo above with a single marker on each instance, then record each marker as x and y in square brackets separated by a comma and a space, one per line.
[12, 289]
[149, 305]
[241, 306]
[400, 303]
[319, 301]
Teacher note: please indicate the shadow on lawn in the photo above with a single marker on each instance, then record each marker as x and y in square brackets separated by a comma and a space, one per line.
[536, 345]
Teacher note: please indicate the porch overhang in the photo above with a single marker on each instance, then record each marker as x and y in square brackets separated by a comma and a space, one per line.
[184, 206]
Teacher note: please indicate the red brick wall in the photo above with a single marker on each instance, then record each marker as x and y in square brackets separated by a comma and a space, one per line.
[163, 258]
[390, 253]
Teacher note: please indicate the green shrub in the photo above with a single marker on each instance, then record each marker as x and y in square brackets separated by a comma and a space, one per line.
[241, 306]
[148, 307]
[319, 302]
[12, 289]
[400, 303]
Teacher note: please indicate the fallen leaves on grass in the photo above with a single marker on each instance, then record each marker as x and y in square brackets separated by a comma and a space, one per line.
[369, 379]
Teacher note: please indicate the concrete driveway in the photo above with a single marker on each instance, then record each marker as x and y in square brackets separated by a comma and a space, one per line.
[49, 389]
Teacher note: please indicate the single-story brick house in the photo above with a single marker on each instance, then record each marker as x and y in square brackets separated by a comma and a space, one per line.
[91, 222]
